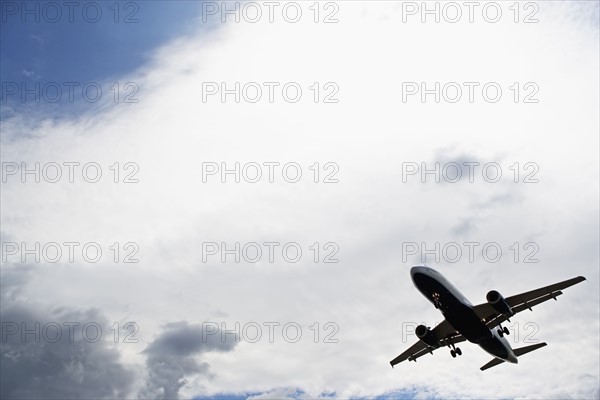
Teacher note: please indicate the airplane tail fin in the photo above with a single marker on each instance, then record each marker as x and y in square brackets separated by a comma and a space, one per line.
[518, 352]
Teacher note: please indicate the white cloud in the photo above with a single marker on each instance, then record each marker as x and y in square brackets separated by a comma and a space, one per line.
[369, 133]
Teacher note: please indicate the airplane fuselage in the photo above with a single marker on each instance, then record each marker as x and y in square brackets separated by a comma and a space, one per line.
[459, 312]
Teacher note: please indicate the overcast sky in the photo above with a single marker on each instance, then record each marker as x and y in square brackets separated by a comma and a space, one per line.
[339, 117]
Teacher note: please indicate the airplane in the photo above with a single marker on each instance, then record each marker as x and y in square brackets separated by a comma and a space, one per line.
[480, 324]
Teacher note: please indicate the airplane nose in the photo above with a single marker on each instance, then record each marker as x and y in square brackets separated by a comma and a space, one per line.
[417, 269]
[416, 273]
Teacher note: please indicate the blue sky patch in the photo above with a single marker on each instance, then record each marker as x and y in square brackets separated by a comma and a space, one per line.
[55, 52]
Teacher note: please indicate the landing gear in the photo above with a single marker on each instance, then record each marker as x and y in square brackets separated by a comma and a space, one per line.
[503, 331]
[455, 351]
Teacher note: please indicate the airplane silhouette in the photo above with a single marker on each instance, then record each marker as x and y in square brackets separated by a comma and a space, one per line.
[481, 324]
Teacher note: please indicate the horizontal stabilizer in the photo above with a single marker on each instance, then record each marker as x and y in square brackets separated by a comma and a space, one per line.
[524, 350]
[518, 352]
[492, 363]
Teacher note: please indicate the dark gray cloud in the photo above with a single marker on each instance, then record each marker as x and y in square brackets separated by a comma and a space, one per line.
[40, 364]
[172, 357]
[45, 364]
[13, 280]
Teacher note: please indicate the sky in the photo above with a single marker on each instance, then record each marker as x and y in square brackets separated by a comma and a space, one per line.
[209, 200]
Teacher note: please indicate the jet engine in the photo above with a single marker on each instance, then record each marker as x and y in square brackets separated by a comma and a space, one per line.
[425, 334]
[498, 303]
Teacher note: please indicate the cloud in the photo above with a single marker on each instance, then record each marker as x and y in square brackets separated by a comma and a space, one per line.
[28, 74]
[173, 355]
[46, 353]
[369, 214]
[289, 393]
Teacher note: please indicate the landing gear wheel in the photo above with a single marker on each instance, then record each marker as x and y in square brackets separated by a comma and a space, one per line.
[500, 332]
[453, 353]
[506, 331]
[458, 351]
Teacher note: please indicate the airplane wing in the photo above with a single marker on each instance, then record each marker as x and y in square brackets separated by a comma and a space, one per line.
[445, 335]
[523, 301]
